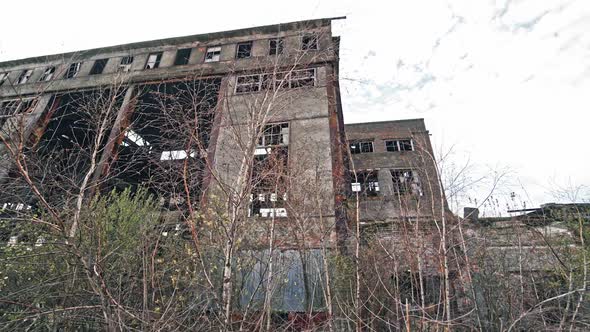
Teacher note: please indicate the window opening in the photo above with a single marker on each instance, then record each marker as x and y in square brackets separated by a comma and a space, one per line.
[269, 171]
[309, 42]
[399, 145]
[213, 54]
[125, 64]
[153, 60]
[98, 66]
[10, 108]
[24, 76]
[73, 70]
[248, 83]
[182, 56]
[47, 74]
[294, 79]
[274, 134]
[406, 181]
[361, 147]
[244, 50]
[275, 46]
[367, 182]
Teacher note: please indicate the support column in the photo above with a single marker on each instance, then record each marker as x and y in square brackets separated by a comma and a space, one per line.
[121, 122]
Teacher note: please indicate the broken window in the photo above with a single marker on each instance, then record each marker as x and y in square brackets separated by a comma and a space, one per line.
[294, 79]
[268, 182]
[182, 56]
[276, 81]
[365, 183]
[275, 46]
[244, 50]
[73, 70]
[399, 145]
[300, 78]
[127, 60]
[24, 76]
[213, 54]
[269, 171]
[361, 147]
[406, 181]
[309, 42]
[125, 64]
[274, 134]
[153, 60]
[3, 78]
[47, 74]
[10, 108]
[98, 66]
[248, 83]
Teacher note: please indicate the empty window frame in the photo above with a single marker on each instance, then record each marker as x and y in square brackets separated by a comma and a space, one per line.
[275, 46]
[406, 181]
[399, 145]
[73, 70]
[248, 83]
[98, 66]
[213, 54]
[365, 182]
[125, 64]
[10, 108]
[3, 78]
[309, 42]
[244, 50]
[276, 134]
[182, 56]
[153, 60]
[24, 76]
[288, 80]
[361, 147]
[301, 78]
[47, 74]
[270, 168]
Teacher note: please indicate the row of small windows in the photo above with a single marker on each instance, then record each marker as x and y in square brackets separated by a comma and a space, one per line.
[404, 181]
[390, 146]
[213, 54]
[284, 80]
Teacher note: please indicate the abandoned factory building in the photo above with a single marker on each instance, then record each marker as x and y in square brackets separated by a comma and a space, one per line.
[240, 138]
[269, 92]
[244, 125]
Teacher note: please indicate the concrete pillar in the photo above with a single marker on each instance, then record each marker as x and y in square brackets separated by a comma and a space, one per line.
[120, 123]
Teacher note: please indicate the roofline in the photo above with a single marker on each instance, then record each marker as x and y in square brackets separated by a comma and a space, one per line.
[171, 40]
[383, 122]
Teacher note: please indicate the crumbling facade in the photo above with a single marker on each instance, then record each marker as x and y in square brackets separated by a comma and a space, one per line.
[396, 175]
[275, 85]
[239, 135]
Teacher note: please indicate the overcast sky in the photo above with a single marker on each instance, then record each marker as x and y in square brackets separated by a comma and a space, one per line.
[505, 84]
